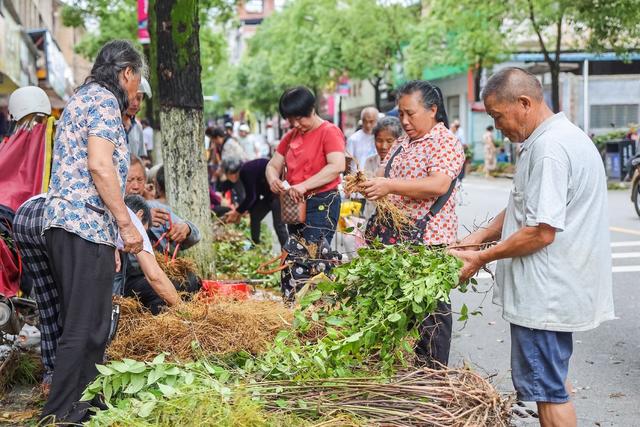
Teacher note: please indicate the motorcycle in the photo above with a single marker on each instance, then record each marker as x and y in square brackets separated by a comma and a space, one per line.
[634, 173]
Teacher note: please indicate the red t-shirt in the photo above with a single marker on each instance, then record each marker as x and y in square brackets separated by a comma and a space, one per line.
[306, 154]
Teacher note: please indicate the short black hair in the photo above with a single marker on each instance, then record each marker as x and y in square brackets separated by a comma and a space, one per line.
[160, 180]
[297, 102]
[136, 202]
[213, 132]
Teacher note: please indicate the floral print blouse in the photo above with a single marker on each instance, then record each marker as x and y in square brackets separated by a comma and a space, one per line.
[73, 202]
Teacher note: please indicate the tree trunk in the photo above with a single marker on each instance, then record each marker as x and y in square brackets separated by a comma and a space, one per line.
[376, 89]
[555, 86]
[177, 73]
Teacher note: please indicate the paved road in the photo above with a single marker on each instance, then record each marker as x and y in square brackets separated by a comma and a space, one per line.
[605, 369]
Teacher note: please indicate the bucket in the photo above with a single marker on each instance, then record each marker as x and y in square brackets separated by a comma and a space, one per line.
[237, 290]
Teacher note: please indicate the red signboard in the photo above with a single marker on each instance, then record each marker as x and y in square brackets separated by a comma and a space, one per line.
[143, 21]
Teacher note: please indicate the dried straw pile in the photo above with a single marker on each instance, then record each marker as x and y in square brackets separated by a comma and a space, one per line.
[426, 397]
[219, 327]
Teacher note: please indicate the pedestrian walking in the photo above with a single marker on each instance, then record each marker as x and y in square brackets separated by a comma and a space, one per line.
[84, 214]
[553, 275]
[489, 152]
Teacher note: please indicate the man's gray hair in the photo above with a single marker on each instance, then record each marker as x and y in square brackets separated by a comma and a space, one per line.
[369, 110]
[510, 83]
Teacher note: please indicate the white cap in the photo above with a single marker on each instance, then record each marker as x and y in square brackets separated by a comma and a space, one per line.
[145, 87]
[244, 128]
[27, 100]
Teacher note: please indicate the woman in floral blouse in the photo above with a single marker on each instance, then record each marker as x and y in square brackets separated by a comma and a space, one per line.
[84, 214]
[420, 168]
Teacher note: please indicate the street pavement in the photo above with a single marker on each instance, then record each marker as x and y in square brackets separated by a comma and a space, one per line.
[605, 367]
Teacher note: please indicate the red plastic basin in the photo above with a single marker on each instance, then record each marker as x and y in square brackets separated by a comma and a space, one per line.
[237, 290]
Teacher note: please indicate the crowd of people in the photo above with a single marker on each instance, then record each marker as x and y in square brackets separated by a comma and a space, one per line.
[94, 231]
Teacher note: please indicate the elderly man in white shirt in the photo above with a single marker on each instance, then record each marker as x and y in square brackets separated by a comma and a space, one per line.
[361, 145]
[553, 276]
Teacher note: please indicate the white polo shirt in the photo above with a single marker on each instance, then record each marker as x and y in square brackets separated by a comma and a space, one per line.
[559, 181]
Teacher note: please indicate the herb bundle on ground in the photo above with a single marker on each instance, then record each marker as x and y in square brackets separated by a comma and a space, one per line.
[197, 327]
[201, 393]
[386, 211]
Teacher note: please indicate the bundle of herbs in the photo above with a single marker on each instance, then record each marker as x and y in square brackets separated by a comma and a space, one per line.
[386, 211]
[368, 313]
[201, 393]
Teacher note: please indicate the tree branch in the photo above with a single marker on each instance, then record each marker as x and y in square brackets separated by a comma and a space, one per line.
[538, 31]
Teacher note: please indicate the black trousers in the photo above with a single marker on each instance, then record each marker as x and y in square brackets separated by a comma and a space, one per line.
[259, 210]
[435, 337]
[83, 272]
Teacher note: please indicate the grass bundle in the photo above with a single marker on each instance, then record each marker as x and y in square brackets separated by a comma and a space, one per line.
[426, 397]
[386, 211]
[215, 328]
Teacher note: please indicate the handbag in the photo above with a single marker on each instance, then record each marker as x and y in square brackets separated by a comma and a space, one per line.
[291, 212]
[388, 234]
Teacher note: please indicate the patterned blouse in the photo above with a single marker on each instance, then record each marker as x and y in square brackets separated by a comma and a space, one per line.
[73, 202]
[437, 151]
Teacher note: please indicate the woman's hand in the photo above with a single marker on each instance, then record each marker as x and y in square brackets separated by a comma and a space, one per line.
[131, 238]
[297, 192]
[277, 186]
[376, 188]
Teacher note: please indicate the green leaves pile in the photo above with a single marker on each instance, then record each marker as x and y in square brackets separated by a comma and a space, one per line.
[368, 312]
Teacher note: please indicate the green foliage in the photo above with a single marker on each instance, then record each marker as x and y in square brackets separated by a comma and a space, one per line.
[369, 312]
[116, 19]
[313, 42]
[238, 257]
[459, 32]
[600, 140]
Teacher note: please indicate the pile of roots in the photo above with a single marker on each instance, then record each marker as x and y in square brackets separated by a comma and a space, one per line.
[426, 397]
[386, 211]
[196, 328]
[177, 269]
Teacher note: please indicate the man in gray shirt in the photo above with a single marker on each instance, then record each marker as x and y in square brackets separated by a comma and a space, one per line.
[553, 275]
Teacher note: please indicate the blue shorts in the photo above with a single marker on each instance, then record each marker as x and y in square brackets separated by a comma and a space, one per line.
[540, 363]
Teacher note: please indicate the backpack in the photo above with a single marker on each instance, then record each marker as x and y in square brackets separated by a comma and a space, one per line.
[10, 263]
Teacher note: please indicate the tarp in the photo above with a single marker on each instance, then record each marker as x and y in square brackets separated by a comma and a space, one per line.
[25, 164]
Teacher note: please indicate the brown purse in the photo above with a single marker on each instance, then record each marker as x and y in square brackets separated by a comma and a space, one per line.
[291, 212]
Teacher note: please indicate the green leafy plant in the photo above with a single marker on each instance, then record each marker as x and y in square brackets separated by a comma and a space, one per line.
[368, 313]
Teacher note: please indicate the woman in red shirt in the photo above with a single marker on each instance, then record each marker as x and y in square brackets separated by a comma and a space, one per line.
[313, 154]
[420, 168]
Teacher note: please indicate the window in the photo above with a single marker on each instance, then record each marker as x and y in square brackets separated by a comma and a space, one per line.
[453, 107]
[254, 6]
[613, 116]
